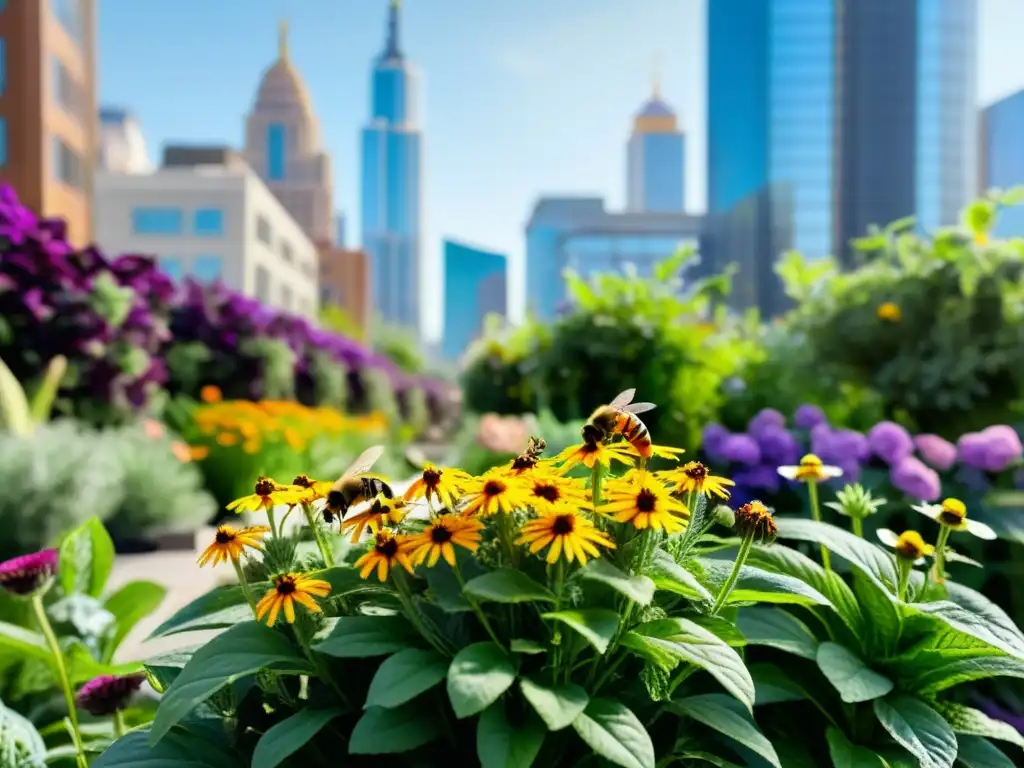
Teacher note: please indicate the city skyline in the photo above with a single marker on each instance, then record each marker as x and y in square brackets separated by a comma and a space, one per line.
[517, 105]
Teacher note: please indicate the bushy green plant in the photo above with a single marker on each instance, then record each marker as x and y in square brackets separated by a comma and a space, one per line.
[933, 324]
[501, 373]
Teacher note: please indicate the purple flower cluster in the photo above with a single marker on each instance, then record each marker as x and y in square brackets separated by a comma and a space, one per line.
[913, 462]
[122, 323]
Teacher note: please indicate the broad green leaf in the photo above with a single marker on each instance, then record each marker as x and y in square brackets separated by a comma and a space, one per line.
[528, 647]
[219, 608]
[973, 624]
[846, 754]
[345, 580]
[873, 561]
[973, 722]
[21, 745]
[720, 627]
[692, 643]
[86, 558]
[756, 585]
[724, 715]
[883, 621]
[405, 676]
[499, 744]
[186, 746]
[18, 641]
[707, 757]
[289, 736]
[393, 731]
[129, 605]
[854, 680]
[940, 678]
[773, 686]
[919, 729]
[41, 405]
[162, 670]
[363, 637]
[616, 734]
[639, 589]
[242, 650]
[557, 705]
[507, 586]
[777, 628]
[976, 752]
[672, 577]
[477, 676]
[596, 625]
[15, 414]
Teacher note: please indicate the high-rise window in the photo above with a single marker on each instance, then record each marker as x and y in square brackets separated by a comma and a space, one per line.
[157, 221]
[67, 91]
[69, 14]
[208, 222]
[208, 269]
[262, 283]
[286, 297]
[3, 142]
[263, 232]
[286, 252]
[67, 164]
[276, 151]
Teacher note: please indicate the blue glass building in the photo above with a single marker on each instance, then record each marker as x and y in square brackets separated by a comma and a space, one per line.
[1002, 156]
[391, 184]
[655, 157]
[475, 285]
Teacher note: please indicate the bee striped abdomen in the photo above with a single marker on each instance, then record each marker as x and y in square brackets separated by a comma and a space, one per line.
[372, 486]
[638, 435]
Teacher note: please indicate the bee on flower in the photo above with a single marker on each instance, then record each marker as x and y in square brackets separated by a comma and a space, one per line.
[443, 485]
[639, 498]
[289, 589]
[567, 534]
[810, 470]
[590, 454]
[529, 461]
[696, 478]
[383, 511]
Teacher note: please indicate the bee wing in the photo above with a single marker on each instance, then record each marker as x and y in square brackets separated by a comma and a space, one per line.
[622, 399]
[364, 463]
[640, 407]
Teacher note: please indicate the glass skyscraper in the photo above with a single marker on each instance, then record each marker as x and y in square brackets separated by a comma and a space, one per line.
[475, 285]
[1002, 157]
[391, 190]
[654, 160]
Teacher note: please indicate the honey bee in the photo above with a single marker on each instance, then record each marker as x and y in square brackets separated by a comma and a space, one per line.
[356, 485]
[619, 417]
[528, 458]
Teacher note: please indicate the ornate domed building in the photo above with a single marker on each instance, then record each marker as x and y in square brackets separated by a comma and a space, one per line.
[282, 144]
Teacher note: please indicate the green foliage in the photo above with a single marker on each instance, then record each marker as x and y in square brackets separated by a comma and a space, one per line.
[933, 324]
[20, 413]
[334, 318]
[399, 346]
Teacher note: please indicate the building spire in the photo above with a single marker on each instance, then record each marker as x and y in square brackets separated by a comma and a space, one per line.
[392, 50]
[282, 39]
[656, 78]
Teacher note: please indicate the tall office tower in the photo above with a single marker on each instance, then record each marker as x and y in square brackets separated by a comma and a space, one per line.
[655, 157]
[48, 119]
[282, 144]
[475, 285]
[392, 183]
[1002, 157]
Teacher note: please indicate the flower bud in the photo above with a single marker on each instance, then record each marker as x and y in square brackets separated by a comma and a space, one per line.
[755, 519]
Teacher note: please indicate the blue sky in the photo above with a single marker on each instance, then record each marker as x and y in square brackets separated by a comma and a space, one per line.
[519, 98]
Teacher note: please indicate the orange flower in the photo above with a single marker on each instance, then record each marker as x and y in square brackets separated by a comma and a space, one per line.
[198, 452]
[210, 394]
[181, 452]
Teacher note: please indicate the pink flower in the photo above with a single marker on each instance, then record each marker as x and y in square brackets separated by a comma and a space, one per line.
[26, 575]
[912, 477]
[936, 451]
[108, 694]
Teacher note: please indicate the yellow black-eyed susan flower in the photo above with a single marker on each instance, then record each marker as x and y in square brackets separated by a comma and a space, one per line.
[444, 485]
[382, 511]
[441, 536]
[639, 498]
[754, 519]
[493, 492]
[229, 543]
[694, 476]
[908, 545]
[590, 453]
[267, 494]
[666, 451]
[952, 514]
[810, 470]
[387, 550]
[889, 312]
[289, 589]
[568, 534]
[549, 493]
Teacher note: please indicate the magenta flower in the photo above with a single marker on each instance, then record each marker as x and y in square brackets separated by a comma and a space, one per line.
[741, 449]
[28, 574]
[808, 416]
[108, 694]
[890, 442]
[936, 451]
[913, 478]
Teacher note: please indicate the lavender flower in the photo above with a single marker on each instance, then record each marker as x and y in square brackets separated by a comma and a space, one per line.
[741, 449]
[760, 478]
[846, 445]
[912, 477]
[936, 451]
[808, 416]
[107, 695]
[765, 418]
[993, 449]
[778, 446]
[28, 574]
[972, 448]
[713, 437]
[890, 442]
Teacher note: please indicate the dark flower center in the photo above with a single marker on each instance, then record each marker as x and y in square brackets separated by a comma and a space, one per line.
[431, 477]
[493, 488]
[646, 501]
[523, 462]
[547, 492]
[563, 525]
[589, 448]
[224, 536]
[303, 482]
[387, 547]
[440, 535]
[950, 517]
[696, 471]
[285, 586]
[264, 487]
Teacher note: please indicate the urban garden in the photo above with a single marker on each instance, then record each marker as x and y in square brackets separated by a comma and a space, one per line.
[804, 555]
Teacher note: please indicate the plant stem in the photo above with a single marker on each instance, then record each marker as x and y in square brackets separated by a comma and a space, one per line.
[62, 676]
[476, 606]
[119, 729]
[812, 493]
[595, 484]
[940, 555]
[405, 596]
[608, 671]
[321, 543]
[506, 537]
[904, 567]
[858, 526]
[244, 584]
[734, 575]
[271, 520]
[317, 662]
